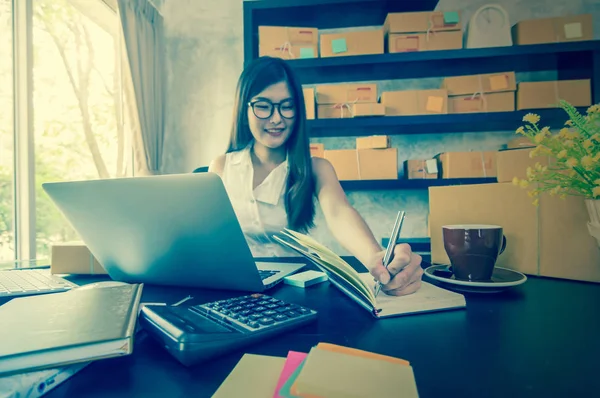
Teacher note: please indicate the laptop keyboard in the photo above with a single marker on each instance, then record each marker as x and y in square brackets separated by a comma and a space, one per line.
[24, 282]
[264, 274]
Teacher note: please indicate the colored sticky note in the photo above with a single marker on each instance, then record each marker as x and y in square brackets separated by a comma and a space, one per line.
[451, 17]
[498, 82]
[285, 390]
[435, 104]
[431, 166]
[307, 52]
[339, 46]
[573, 30]
[293, 360]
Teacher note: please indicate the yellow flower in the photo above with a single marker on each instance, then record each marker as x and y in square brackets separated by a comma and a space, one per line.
[530, 173]
[520, 130]
[539, 137]
[574, 135]
[532, 194]
[587, 162]
[595, 137]
[531, 118]
[593, 109]
[587, 144]
[536, 202]
[524, 183]
[534, 152]
[597, 182]
[569, 123]
[597, 157]
[568, 144]
[564, 132]
[562, 154]
[555, 191]
[572, 173]
[572, 162]
[596, 191]
[515, 181]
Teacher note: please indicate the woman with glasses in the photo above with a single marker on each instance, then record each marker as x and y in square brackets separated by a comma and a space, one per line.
[273, 182]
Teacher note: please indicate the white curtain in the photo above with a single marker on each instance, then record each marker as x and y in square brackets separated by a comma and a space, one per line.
[144, 42]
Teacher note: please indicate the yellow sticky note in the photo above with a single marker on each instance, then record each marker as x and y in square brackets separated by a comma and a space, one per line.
[498, 82]
[573, 30]
[435, 104]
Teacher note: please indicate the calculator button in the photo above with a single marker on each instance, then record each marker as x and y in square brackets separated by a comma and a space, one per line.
[242, 319]
[245, 312]
[266, 321]
[236, 309]
[280, 317]
[282, 309]
[269, 313]
[255, 316]
[264, 302]
[292, 314]
[253, 324]
[303, 311]
[272, 306]
[257, 309]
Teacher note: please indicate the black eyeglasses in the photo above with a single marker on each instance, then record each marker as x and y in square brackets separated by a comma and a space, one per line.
[264, 109]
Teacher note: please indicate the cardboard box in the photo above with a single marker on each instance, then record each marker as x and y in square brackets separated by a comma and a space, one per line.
[553, 30]
[402, 43]
[334, 111]
[352, 43]
[74, 258]
[482, 83]
[317, 150]
[346, 93]
[368, 109]
[288, 42]
[519, 142]
[420, 169]
[550, 240]
[373, 142]
[512, 163]
[309, 102]
[413, 22]
[345, 163]
[378, 164]
[477, 164]
[474, 103]
[415, 102]
[539, 95]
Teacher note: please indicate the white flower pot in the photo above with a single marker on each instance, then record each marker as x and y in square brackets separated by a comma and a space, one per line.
[593, 207]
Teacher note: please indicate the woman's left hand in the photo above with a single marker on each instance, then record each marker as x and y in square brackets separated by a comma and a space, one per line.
[403, 274]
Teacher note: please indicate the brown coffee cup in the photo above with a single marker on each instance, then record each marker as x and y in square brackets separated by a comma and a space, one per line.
[473, 249]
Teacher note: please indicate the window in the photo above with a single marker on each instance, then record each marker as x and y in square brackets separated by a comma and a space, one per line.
[7, 251]
[79, 132]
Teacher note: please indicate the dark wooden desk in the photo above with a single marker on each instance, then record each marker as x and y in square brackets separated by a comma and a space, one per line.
[537, 340]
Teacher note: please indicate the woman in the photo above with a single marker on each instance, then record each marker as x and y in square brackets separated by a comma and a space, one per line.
[272, 180]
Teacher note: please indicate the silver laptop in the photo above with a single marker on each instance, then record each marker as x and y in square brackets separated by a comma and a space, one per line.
[177, 229]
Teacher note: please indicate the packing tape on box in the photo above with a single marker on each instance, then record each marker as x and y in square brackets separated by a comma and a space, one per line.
[483, 164]
[347, 105]
[556, 96]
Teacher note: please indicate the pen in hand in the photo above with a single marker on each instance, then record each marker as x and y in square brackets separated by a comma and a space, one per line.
[389, 251]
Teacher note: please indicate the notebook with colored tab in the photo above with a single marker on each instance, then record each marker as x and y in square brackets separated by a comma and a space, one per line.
[361, 286]
[292, 362]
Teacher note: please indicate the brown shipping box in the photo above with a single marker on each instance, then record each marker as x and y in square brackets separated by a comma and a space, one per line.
[402, 43]
[492, 102]
[352, 43]
[309, 102]
[415, 102]
[420, 169]
[539, 95]
[553, 30]
[368, 109]
[317, 150]
[483, 83]
[74, 258]
[334, 111]
[346, 93]
[373, 142]
[411, 22]
[344, 162]
[476, 164]
[288, 42]
[378, 164]
[550, 240]
[512, 163]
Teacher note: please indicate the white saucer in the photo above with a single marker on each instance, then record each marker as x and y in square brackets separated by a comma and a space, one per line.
[502, 279]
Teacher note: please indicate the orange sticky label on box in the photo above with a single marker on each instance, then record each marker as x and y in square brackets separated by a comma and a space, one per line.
[435, 104]
[498, 82]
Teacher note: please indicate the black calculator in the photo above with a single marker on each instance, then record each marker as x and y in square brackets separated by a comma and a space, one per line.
[193, 334]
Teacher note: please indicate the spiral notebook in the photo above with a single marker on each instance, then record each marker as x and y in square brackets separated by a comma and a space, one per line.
[360, 286]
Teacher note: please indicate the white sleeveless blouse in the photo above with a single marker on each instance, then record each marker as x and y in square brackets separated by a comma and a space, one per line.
[260, 211]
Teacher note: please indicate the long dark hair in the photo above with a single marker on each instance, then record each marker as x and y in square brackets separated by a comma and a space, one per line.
[259, 74]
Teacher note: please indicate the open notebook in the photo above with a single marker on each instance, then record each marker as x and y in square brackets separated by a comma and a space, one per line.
[361, 286]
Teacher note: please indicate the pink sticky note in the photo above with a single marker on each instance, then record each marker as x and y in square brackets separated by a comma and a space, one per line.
[293, 360]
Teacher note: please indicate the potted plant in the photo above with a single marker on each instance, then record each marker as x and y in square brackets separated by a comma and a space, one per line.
[573, 160]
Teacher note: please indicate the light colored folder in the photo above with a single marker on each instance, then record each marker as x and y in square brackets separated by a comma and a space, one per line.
[254, 376]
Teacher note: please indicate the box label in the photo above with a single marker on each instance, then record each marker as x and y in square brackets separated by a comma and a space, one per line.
[435, 104]
[498, 82]
[431, 166]
[451, 18]
[339, 46]
[573, 30]
[307, 52]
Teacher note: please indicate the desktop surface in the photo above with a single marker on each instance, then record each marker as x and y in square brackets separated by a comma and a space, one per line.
[538, 339]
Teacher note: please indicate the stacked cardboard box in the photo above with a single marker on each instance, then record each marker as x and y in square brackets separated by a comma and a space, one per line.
[475, 164]
[317, 150]
[415, 102]
[492, 92]
[547, 94]
[423, 31]
[420, 169]
[347, 100]
[309, 102]
[352, 43]
[288, 42]
[553, 30]
[373, 159]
